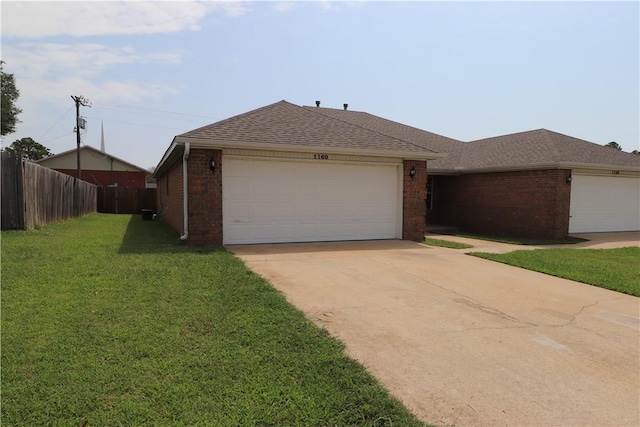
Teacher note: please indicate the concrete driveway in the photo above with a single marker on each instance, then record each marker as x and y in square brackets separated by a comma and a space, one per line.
[464, 341]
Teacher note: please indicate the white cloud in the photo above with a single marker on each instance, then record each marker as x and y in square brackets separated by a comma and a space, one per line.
[48, 73]
[88, 18]
[35, 60]
[283, 6]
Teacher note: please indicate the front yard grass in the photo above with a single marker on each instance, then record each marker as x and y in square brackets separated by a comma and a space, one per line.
[616, 269]
[112, 320]
[446, 243]
[520, 240]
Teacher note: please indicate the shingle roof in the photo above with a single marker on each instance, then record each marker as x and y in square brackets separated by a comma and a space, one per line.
[286, 124]
[417, 136]
[536, 147]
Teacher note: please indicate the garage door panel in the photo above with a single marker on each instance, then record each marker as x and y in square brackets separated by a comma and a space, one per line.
[281, 201]
[601, 204]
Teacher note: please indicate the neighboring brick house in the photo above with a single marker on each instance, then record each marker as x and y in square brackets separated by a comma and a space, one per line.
[536, 184]
[284, 173]
[98, 167]
[531, 184]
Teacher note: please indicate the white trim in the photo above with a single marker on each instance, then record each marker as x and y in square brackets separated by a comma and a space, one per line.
[297, 156]
[513, 168]
[219, 144]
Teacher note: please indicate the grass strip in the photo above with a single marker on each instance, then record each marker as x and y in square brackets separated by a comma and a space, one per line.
[521, 240]
[112, 320]
[446, 243]
[615, 269]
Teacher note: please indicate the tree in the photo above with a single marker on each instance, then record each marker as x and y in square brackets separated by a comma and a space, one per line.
[9, 111]
[29, 149]
[614, 144]
[636, 152]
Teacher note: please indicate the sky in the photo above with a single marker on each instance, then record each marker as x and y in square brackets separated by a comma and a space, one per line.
[465, 70]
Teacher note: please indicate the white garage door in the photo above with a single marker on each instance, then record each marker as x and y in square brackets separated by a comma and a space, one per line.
[600, 203]
[268, 201]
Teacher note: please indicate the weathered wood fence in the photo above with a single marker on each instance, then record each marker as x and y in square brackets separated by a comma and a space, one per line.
[33, 195]
[126, 200]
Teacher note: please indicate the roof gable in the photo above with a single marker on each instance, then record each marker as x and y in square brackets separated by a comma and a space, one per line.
[286, 124]
[61, 160]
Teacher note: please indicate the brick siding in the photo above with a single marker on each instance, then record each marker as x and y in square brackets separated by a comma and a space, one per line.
[169, 196]
[101, 178]
[205, 198]
[414, 194]
[532, 203]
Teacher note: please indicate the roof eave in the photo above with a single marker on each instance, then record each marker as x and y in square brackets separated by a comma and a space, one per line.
[221, 144]
[533, 166]
[174, 152]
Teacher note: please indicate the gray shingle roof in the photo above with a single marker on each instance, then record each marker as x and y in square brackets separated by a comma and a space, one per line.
[286, 124]
[536, 147]
[428, 140]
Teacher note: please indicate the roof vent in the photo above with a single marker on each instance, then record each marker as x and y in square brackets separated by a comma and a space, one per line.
[317, 103]
[345, 106]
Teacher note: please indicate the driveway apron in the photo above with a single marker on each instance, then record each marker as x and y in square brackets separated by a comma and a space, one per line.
[465, 341]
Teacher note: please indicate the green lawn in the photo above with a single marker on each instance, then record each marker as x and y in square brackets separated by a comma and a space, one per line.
[113, 320]
[446, 243]
[616, 269]
[521, 240]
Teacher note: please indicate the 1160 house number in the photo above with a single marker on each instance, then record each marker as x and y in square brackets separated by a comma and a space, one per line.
[321, 157]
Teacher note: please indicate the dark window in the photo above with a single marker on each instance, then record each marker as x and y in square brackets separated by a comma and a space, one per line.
[429, 193]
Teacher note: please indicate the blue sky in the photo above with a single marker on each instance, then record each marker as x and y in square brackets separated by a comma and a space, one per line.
[466, 70]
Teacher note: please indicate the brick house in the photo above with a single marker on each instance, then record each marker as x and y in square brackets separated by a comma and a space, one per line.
[536, 184]
[98, 167]
[539, 183]
[285, 173]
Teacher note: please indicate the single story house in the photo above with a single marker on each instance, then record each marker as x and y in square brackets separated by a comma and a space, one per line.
[540, 183]
[98, 167]
[285, 173]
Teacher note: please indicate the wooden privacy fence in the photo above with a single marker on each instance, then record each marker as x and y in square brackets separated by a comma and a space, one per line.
[125, 200]
[34, 195]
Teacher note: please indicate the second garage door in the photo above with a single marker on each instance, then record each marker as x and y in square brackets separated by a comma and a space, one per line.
[270, 201]
[601, 203]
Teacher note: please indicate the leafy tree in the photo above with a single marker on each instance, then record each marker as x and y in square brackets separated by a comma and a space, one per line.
[9, 111]
[29, 149]
[614, 144]
[636, 152]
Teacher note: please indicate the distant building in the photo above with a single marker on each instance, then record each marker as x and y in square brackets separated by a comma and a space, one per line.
[98, 167]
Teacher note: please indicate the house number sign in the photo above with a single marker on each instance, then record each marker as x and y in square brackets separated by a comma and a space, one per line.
[321, 157]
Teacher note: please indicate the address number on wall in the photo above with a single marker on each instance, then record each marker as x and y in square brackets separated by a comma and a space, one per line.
[321, 157]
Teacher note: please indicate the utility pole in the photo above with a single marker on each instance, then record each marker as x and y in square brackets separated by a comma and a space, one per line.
[79, 100]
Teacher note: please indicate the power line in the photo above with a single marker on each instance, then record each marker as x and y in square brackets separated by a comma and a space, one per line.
[131, 107]
[57, 121]
[137, 124]
[57, 137]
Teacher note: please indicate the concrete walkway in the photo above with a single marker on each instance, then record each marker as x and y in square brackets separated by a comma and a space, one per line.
[465, 341]
[593, 241]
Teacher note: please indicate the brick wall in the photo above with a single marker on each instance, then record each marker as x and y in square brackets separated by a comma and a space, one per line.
[205, 198]
[414, 193]
[100, 178]
[169, 197]
[531, 203]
